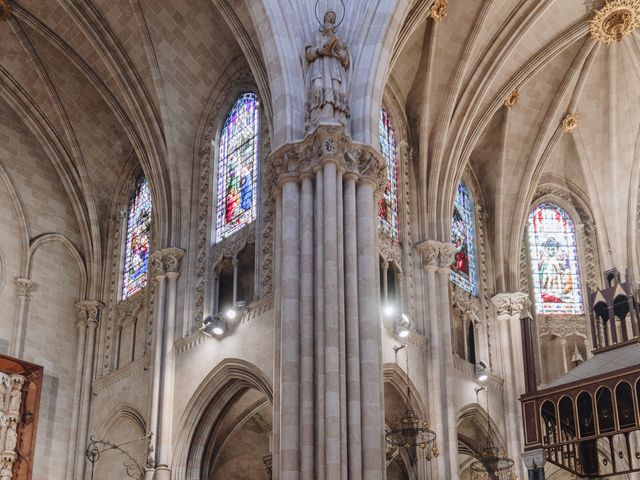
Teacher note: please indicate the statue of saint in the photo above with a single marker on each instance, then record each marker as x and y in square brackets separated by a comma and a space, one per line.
[328, 58]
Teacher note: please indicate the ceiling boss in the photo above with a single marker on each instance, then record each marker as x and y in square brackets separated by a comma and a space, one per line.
[615, 20]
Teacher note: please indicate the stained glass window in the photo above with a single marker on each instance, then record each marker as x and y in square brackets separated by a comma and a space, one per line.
[136, 253]
[238, 168]
[554, 261]
[463, 268]
[388, 207]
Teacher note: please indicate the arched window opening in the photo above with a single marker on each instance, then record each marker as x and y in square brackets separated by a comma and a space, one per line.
[138, 240]
[606, 421]
[235, 280]
[238, 168]
[625, 407]
[554, 261]
[464, 267]
[388, 207]
[390, 285]
[585, 415]
[549, 422]
[471, 343]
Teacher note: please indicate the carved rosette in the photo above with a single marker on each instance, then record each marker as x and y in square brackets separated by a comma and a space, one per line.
[88, 312]
[511, 99]
[511, 304]
[615, 20]
[328, 143]
[5, 13]
[570, 122]
[439, 10]
[23, 287]
[167, 260]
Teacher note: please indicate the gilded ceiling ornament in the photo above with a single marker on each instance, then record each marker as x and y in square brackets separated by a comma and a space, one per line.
[5, 9]
[615, 20]
[570, 122]
[439, 10]
[511, 99]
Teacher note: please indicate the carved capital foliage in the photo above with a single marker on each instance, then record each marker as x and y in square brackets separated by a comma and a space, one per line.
[88, 312]
[436, 254]
[562, 326]
[167, 260]
[327, 143]
[389, 249]
[511, 304]
[468, 304]
[23, 286]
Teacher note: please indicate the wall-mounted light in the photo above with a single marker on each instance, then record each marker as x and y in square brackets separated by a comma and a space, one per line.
[213, 326]
[398, 323]
[479, 370]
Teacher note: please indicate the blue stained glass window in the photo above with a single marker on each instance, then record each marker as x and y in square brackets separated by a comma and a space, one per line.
[238, 168]
[388, 207]
[464, 267]
[554, 261]
[136, 253]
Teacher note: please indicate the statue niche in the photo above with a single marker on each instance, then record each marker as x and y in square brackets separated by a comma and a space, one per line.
[329, 61]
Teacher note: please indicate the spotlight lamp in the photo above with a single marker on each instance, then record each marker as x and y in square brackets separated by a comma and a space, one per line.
[480, 371]
[213, 326]
[403, 326]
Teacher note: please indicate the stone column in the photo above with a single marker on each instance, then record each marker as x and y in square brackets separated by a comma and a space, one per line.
[510, 307]
[23, 287]
[437, 258]
[329, 315]
[534, 460]
[165, 267]
[89, 313]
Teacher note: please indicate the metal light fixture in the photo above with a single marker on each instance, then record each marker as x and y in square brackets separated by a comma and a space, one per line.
[213, 326]
[407, 429]
[398, 322]
[479, 370]
[492, 463]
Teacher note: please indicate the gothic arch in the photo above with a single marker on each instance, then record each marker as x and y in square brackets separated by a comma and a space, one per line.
[123, 410]
[206, 410]
[473, 426]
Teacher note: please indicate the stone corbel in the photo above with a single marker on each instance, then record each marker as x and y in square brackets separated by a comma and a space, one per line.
[88, 312]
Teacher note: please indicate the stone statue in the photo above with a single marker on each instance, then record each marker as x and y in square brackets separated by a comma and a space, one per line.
[14, 402]
[328, 58]
[12, 435]
[4, 387]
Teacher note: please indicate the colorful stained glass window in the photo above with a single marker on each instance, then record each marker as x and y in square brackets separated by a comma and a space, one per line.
[554, 261]
[238, 168]
[388, 207]
[464, 267]
[136, 253]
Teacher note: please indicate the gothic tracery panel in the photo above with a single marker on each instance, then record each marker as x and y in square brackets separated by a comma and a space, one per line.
[388, 207]
[237, 168]
[464, 267]
[136, 254]
[554, 261]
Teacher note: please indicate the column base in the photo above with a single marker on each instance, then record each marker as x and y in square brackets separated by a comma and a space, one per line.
[163, 472]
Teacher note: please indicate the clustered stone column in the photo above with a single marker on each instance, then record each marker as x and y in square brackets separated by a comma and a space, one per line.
[437, 258]
[23, 288]
[88, 316]
[510, 307]
[164, 267]
[10, 418]
[329, 415]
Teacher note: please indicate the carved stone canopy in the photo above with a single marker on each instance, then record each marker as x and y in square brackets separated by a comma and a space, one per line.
[615, 20]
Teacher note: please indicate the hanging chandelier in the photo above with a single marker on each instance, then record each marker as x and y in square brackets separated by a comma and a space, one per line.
[408, 430]
[493, 462]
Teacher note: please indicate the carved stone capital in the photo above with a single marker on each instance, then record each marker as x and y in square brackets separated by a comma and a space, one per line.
[167, 260]
[430, 251]
[88, 312]
[327, 143]
[534, 459]
[23, 286]
[447, 255]
[511, 304]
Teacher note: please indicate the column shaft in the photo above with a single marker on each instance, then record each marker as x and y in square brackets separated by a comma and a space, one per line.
[73, 439]
[319, 327]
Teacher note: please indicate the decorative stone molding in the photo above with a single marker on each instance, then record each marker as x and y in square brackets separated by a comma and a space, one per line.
[406, 232]
[23, 287]
[564, 326]
[88, 312]
[439, 10]
[615, 20]
[468, 304]
[167, 260]
[129, 309]
[107, 381]
[511, 304]
[267, 215]
[328, 143]
[389, 249]
[231, 246]
[570, 122]
[511, 99]
[5, 13]
[10, 418]
[467, 369]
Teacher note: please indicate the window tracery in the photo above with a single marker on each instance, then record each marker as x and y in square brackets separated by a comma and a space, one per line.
[464, 267]
[238, 168]
[388, 207]
[138, 240]
[554, 261]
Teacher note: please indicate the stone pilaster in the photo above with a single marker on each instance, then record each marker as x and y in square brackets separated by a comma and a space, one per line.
[23, 290]
[88, 316]
[328, 413]
[510, 307]
[164, 266]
